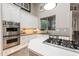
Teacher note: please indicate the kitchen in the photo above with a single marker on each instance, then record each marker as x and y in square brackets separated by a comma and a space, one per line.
[25, 25]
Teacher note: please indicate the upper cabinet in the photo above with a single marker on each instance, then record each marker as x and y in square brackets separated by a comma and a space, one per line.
[25, 6]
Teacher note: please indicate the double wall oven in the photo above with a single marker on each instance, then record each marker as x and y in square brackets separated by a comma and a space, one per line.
[11, 34]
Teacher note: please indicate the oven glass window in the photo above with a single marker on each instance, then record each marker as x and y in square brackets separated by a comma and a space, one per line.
[12, 40]
[12, 29]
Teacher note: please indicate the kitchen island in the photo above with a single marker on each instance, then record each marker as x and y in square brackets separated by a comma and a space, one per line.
[38, 48]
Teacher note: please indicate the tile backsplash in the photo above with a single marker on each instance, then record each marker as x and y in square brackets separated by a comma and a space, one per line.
[27, 31]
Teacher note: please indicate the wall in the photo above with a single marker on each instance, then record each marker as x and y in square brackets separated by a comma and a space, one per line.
[62, 12]
[63, 15]
[14, 13]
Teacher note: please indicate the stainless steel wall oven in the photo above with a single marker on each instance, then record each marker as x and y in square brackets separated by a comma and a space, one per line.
[11, 28]
[11, 34]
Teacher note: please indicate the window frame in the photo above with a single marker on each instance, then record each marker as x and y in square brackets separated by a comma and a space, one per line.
[47, 21]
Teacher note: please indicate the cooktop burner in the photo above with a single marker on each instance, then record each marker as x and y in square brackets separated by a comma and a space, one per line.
[63, 43]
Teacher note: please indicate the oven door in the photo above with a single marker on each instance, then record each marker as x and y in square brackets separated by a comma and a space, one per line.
[9, 42]
[11, 31]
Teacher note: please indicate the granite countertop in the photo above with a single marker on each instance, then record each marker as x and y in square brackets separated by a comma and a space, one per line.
[38, 46]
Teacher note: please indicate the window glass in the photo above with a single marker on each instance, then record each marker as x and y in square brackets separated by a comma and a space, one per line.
[51, 23]
[43, 24]
[48, 23]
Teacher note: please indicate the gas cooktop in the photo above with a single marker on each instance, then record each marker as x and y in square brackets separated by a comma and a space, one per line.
[63, 43]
